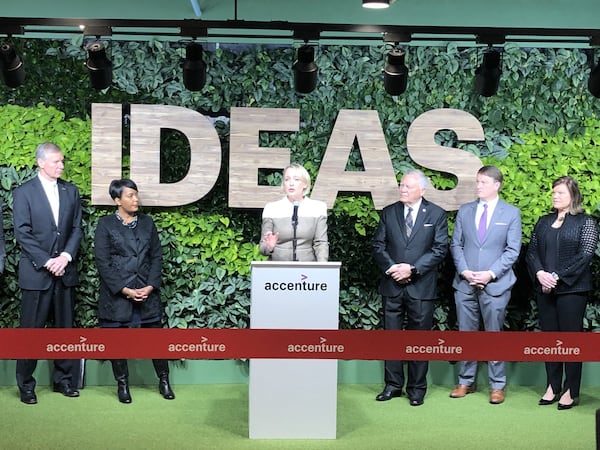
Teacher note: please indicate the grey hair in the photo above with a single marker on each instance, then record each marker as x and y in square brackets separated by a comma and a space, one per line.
[423, 180]
[42, 150]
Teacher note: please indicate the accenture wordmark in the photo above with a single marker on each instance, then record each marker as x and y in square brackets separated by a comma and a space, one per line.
[301, 285]
[197, 347]
[321, 347]
[557, 350]
[438, 349]
[82, 346]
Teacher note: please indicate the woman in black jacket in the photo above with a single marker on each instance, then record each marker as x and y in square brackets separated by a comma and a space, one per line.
[129, 259]
[558, 258]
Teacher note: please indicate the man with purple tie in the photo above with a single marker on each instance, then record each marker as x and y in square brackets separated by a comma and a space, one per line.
[485, 245]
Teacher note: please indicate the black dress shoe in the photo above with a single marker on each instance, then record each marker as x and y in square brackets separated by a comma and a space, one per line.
[165, 388]
[388, 393]
[416, 401]
[65, 389]
[544, 402]
[28, 397]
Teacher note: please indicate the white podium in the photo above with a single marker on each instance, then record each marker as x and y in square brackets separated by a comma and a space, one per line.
[294, 398]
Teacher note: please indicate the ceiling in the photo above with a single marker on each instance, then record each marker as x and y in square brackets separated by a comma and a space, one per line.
[554, 17]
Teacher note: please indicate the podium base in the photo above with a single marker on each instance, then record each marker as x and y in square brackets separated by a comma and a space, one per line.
[293, 398]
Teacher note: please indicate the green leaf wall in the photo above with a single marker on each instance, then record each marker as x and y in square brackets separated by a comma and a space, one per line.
[540, 125]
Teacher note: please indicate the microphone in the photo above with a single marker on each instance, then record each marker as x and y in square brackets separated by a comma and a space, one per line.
[295, 225]
[295, 214]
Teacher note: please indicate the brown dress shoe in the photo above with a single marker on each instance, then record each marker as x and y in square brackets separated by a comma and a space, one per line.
[496, 396]
[461, 390]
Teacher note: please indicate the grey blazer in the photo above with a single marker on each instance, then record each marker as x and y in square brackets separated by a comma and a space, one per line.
[311, 231]
[498, 252]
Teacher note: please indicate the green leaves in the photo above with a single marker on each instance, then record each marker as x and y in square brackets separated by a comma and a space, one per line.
[542, 124]
[534, 164]
[219, 301]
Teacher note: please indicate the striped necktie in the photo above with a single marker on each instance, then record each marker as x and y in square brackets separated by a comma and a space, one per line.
[409, 221]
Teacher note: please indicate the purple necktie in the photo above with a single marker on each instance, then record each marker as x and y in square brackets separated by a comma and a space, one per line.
[482, 228]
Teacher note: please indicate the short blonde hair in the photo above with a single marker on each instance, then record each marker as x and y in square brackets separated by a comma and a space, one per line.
[304, 175]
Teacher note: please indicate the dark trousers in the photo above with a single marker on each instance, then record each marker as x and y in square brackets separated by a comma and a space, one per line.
[562, 312]
[403, 312]
[37, 307]
[121, 370]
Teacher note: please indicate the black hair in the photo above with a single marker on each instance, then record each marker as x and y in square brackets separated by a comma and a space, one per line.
[116, 187]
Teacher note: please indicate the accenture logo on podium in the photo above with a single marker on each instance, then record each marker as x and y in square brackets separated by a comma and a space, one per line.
[303, 284]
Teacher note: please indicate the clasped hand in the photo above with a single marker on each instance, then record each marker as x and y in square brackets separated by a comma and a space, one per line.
[400, 273]
[547, 281]
[478, 279]
[57, 266]
[139, 294]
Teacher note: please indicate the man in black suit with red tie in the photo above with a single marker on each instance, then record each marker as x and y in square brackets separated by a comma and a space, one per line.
[47, 223]
[410, 242]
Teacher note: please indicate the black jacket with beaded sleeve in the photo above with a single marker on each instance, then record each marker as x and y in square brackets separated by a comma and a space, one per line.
[577, 240]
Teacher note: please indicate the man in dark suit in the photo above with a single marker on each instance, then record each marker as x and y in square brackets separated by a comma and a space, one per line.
[47, 222]
[485, 245]
[409, 244]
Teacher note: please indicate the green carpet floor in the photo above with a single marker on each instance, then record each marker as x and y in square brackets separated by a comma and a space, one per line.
[216, 417]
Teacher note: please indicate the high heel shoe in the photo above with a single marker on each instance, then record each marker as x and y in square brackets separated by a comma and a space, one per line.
[544, 402]
[563, 406]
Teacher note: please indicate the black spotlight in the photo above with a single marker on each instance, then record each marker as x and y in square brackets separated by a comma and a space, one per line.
[11, 66]
[395, 73]
[305, 70]
[487, 75]
[594, 81]
[194, 69]
[99, 66]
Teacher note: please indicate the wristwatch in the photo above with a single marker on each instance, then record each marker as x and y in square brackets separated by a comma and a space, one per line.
[555, 276]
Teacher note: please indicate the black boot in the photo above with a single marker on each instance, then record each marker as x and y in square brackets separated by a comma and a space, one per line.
[121, 373]
[161, 366]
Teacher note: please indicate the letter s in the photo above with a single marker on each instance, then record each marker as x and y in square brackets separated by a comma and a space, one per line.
[423, 149]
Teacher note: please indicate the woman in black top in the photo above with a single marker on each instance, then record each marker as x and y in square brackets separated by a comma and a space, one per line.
[129, 259]
[558, 258]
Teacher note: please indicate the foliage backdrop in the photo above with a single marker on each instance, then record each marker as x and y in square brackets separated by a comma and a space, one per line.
[542, 124]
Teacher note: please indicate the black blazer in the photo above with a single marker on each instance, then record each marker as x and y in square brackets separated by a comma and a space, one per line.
[425, 248]
[127, 257]
[576, 242]
[40, 238]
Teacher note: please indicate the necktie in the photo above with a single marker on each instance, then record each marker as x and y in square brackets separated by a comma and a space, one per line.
[482, 228]
[409, 221]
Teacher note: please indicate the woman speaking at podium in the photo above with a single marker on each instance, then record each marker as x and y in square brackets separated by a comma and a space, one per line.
[295, 227]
